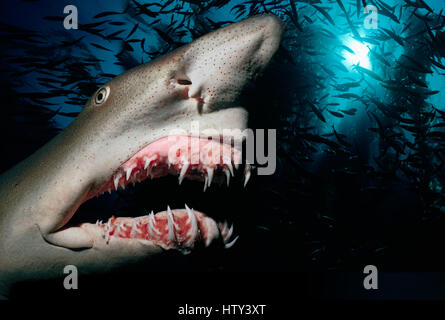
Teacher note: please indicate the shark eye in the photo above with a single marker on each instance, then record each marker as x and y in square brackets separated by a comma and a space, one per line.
[101, 95]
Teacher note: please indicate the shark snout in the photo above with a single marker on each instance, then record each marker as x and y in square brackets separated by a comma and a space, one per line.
[221, 63]
[264, 32]
[271, 30]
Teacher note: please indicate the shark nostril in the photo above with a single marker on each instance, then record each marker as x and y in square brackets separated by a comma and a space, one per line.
[184, 82]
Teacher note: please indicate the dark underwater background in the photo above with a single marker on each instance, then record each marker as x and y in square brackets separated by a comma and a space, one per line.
[359, 113]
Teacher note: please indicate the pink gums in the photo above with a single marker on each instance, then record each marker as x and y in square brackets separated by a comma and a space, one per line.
[182, 232]
[197, 157]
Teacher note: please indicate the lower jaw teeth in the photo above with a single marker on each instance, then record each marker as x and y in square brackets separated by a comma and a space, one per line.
[147, 228]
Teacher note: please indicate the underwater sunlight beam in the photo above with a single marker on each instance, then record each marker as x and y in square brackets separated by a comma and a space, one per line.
[359, 54]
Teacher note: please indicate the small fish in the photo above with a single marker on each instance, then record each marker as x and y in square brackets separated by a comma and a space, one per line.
[409, 128]
[436, 63]
[350, 112]
[117, 23]
[340, 139]
[294, 16]
[436, 135]
[317, 112]
[328, 71]
[91, 26]
[113, 35]
[107, 13]
[336, 114]
[107, 75]
[324, 13]
[308, 19]
[385, 12]
[368, 72]
[220, 24]
[416, 80]
[394, 36]
[380, 57]
[164, 36]
[417, 64]
[132, 31]
[346, 86]
[347, 49]
[99, 46]
[69, 114]
[144, 11]
[348, 96]
[439, 125]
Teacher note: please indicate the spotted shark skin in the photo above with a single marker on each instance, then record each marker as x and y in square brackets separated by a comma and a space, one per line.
[200, 81]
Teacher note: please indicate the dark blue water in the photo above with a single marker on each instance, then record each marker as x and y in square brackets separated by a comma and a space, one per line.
[361, 184]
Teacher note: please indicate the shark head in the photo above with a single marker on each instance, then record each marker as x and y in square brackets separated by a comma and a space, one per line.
[139, 125]
[200, 82]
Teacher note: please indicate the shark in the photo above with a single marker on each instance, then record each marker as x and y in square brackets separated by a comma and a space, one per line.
[126, 134]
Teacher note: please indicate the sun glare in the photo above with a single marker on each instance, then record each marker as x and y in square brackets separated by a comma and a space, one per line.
[359, 54]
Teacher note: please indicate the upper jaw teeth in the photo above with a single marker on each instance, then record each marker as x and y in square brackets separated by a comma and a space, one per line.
[128, 171]
[155, 165]
[247, 174]
[116, 180]
[183, 172]
[206, 183]
[227, 173]
[210, 175]
[147, 161]
[229, 166]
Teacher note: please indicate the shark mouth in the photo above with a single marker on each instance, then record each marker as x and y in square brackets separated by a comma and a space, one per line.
[194, 158]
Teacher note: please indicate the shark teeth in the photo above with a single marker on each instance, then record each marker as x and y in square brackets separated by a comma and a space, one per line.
[210, 175]
[151, 225]
[128, 172]
[116, 180]
[231, 243]
[206, 180]
[183, 172]
[229, 166]
[247, 174]
[148, 160]
[227, 173]
[154, 165]
[193, 222]
[226, 234]
[229, 233]
[117, 231]
[133, 229]
[133, 175]
[171, 231]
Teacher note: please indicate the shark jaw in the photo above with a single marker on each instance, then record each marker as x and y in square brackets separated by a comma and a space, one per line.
[125, 126]
[188, 157]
